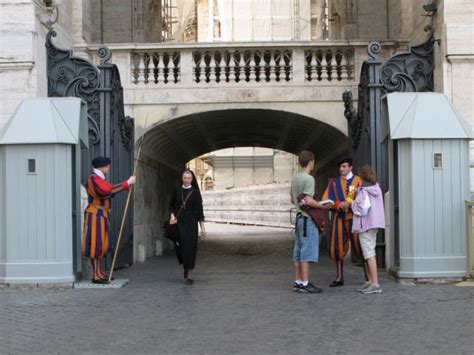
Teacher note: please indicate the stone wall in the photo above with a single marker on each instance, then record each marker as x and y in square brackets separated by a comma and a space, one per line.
[82, 21]
[454, 58]
[22, 50]
[123, 21]
[255, 20]
[267, 205]
[358, 19]
[152, 193]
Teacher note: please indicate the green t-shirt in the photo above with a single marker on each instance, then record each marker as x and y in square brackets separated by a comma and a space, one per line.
[301, 183]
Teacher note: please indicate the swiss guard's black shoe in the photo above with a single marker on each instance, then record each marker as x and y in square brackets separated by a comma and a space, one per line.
[100, 281]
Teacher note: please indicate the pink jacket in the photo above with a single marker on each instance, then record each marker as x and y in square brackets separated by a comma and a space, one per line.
[375, 218]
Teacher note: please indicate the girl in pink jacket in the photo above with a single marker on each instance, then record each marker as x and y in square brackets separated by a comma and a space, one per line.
[368, 218]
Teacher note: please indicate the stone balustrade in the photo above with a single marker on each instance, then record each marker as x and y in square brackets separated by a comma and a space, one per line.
[241, 65]
[238, 64]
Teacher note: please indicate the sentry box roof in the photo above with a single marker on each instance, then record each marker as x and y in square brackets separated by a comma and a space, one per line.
[47, 121]
[425, 116]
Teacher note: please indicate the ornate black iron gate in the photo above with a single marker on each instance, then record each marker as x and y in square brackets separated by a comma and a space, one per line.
[405, 72]
[110, 132]
[410, 71]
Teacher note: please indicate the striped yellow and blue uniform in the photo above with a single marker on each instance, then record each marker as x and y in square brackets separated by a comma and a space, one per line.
[95, 238]
[341, 227]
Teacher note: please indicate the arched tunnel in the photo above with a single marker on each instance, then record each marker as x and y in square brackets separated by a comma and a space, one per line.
[169, 145]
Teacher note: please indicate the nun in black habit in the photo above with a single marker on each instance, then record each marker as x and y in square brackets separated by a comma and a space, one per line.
[187, 211]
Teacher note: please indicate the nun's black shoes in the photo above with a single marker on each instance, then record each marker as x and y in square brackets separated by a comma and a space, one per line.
[188, 281]
[337, 283]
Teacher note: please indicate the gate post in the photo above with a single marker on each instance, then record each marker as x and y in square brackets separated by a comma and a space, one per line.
[364, 123]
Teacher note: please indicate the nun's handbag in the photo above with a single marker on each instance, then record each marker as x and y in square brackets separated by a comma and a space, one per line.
[171, 230]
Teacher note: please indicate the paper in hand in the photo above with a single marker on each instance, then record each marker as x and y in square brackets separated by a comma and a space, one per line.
[327, 202]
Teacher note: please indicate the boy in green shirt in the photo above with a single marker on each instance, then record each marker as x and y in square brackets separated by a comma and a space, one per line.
[306, 249]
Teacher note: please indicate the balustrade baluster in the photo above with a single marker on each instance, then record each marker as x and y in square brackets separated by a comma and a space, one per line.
[176, 58]
[308, 56]
[342, 66]
[212, 67]
[258, 55]
[220, 67]
[287, 59]
[197, 58]
[135, 62]
[252, 67]
[324, 66]
[141, 69]
[273, 66]
[160, 73]
[152, 70]
[231, 77]
[168, 69]
[239, 66]
[318, 67]
[204, 64]
[349, 64]
[332, 65]
[266, 66]
[313, 66]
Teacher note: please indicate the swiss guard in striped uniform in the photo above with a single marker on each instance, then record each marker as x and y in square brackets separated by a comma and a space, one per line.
[95, 238]
[342, 191]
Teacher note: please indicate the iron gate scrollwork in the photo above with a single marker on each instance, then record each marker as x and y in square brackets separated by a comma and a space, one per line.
[411, 71]
[111, 133]
[74, 76]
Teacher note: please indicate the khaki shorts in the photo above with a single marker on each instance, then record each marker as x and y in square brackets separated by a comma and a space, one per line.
[368, 241]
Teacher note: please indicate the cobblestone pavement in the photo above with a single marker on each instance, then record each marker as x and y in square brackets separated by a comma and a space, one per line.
[241, 302]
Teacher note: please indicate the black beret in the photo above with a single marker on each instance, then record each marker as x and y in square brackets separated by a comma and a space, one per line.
[347, 160]
[100, 162]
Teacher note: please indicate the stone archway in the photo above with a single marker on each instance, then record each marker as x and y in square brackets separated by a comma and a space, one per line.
[169, 144]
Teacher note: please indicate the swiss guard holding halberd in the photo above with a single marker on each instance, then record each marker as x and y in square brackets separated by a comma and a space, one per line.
[95, 238]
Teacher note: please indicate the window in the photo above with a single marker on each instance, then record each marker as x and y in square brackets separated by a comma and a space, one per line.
[438, 161]
[31, 166]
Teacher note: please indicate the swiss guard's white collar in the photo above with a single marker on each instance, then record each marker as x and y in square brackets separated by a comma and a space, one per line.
[349, 176]
[99, 173]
